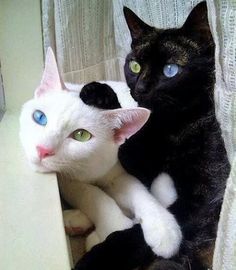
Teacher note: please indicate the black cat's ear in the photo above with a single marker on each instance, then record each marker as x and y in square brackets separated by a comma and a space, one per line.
[136, 26]
[197, 21]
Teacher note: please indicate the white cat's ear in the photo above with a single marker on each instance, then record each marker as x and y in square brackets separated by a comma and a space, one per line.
[51, 79]
[126, 122]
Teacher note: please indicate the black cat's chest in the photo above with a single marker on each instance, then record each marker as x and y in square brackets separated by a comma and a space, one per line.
[144, 155]
[184, 156]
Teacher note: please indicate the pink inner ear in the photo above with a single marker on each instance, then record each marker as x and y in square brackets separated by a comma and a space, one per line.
[132, 120]
[51, 78]
[126, 131]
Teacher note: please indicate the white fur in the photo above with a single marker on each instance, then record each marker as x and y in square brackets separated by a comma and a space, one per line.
[85, 162]
[92, 240]
[71, 114]
[100, 208]
[76, 222]
[163, 189]
[86, 167]
[160, 228]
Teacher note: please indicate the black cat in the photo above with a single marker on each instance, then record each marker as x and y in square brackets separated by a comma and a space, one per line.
[183, 138]
[171, 72]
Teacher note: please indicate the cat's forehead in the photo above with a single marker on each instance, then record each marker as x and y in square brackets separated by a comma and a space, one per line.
[161, 43]
[64, 110]
[59, 102]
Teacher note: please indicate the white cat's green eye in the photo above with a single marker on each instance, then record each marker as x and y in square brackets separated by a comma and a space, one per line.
[134, 67]
[81, 135]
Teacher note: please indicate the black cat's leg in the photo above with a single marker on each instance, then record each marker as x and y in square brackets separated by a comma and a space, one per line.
[162, 264]
[200, 234]
[197, 255]
[99, 95]
[124, 250]
[197, 248]
[180, 262]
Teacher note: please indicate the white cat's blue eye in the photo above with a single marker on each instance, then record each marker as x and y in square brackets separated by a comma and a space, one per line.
[40, 118]
[170, 70]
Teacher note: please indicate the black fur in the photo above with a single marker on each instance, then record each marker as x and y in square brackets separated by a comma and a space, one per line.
[182, 138]
[121, 250]
[99, 95]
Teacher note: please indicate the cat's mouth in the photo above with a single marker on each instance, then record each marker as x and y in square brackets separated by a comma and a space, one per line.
[139, 92]
[141, 98]
[41, 166]
[136, 95]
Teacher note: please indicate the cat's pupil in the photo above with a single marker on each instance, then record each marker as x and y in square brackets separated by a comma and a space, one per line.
[170, 70]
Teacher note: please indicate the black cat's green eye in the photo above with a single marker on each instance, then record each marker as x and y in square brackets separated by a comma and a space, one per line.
[81, 135]
[134, 67]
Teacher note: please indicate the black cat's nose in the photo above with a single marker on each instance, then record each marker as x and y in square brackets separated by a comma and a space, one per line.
[141, 88]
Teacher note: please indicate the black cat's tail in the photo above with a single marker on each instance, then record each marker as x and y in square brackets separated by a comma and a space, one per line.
[121, 250]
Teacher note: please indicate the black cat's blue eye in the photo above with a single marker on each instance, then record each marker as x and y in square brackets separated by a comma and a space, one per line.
[170, 70]
[40, 118]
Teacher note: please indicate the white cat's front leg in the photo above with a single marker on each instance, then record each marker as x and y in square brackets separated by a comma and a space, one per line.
[99, 207]
[92, 240]
[76, 222]
[161, 230]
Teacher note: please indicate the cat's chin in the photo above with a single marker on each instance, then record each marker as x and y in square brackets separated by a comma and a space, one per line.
[39, 168]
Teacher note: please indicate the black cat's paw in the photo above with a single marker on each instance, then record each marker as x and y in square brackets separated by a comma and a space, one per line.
[99, 95]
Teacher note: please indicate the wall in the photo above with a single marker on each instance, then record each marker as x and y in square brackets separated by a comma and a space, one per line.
[31, 232]
[21, 51]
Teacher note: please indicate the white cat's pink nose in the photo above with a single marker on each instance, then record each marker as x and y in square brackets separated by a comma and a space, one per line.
[44, 152]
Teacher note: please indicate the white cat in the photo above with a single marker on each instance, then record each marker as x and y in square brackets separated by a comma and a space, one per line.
[61, 134]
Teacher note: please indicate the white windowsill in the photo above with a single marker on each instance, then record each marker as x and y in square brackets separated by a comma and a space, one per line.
[31, 226]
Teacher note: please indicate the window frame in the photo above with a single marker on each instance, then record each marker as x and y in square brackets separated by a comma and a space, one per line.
[2, 96]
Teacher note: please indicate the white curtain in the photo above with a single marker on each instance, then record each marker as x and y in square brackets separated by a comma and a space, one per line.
[91, 40]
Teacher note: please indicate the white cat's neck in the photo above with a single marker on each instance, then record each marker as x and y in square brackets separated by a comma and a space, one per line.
[96, 176]
[113, 173]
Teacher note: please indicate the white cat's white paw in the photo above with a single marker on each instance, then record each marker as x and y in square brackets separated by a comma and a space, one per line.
[162, 234]
[76, 222]
[92, 240]
[163, 189]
